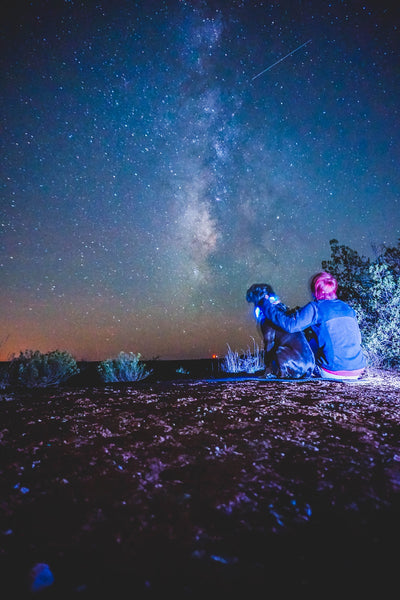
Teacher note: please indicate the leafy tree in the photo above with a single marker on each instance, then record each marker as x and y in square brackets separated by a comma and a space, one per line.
[350, 269]
[391, 257]
[380, 317]
[373, 289]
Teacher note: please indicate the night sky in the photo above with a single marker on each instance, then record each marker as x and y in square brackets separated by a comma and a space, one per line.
[158, 157]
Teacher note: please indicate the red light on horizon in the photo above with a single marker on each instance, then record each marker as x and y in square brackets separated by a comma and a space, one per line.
[214, 356]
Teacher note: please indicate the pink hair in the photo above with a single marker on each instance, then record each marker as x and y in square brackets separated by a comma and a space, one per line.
[324, 286]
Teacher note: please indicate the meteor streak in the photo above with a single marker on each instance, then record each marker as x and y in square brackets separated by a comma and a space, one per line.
[280, 60]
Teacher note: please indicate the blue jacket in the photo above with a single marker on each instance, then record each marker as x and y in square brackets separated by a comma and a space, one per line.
[335, 328]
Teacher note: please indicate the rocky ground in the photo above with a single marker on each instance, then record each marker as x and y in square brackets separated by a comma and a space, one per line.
[199, 488]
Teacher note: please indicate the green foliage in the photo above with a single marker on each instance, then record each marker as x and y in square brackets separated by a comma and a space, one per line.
[391, 257]
[125, 367]
[372, 288]
[350, 270]
[379, 317]
[33, 369]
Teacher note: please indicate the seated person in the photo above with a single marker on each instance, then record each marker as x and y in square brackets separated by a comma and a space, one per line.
[335, 338]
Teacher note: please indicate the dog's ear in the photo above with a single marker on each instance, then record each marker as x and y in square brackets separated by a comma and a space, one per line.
[249, 294]
[268, 290]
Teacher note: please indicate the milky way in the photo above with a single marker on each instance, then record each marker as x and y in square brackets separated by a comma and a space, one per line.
[149, 176]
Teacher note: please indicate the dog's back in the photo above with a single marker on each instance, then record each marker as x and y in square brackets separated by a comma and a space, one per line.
[287, 355]
[291, 355]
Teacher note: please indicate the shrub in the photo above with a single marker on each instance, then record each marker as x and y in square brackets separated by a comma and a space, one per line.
[181, 371]
[4, 378]
[247, 362]
[33, 369]
[379, 318]
[373, 290]
[125, 367]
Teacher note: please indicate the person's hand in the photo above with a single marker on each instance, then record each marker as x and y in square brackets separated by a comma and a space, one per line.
[272, 299]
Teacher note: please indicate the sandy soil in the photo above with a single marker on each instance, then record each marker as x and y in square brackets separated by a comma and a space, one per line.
[196, 488]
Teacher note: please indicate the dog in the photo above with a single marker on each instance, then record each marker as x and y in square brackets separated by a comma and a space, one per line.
[286, 355]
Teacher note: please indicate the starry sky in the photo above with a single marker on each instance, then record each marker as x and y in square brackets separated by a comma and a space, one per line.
[159, 157]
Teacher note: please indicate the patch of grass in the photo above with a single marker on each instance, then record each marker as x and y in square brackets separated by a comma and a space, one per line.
[248, 361]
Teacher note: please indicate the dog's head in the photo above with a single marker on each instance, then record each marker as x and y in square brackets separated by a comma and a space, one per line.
[257, 291]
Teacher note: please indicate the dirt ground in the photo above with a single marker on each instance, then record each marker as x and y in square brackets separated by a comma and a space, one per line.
[200, 488]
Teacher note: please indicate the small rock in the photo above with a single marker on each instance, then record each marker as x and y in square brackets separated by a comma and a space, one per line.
[40, 577]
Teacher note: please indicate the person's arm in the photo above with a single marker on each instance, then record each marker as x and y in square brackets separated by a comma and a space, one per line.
[299, 320]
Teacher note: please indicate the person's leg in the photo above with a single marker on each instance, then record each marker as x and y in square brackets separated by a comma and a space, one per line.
[341, 375]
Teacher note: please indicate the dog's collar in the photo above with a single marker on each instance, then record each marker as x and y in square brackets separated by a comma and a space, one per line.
[258, 311]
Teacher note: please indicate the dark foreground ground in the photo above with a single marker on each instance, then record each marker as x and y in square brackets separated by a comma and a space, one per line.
[202, 489]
